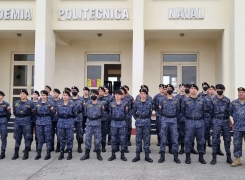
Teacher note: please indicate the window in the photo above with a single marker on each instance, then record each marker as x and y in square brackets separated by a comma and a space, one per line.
[93, 76]
[22, 75]
[179, 68]
[103, 57]
[96, 72]
[180, 57]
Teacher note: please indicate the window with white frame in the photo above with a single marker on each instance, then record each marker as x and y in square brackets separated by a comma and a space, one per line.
[179, 68]
[22, 74]
[95, 67]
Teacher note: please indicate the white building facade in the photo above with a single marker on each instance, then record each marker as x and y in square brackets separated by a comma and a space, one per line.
[62, 43]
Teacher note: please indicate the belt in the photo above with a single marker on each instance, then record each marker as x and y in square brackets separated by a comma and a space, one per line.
[2, 116]
[43, 115]
[97, 118]
[143, 117]
[221, 118]
[22, 115]
[194, 118]
[169, 116]
[66, 116]
[79, 112]
[119, 119]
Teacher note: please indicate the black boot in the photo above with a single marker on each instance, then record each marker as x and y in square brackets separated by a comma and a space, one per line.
[99, 155]
[103, 147]
[57, 147]
[182, 149]
[69, 157]
[209, 142]
[52, 148]
[188, 158]
[219, 152]
[48, 155]
[117, 149]
[137, 158]
[26, 154]
[113, 156]
[214, 160]
[38, 154]
[170, 148]
[2, 156]
[193, 151]
[201, 160]
[129, 142]
[29, 149]
[36, 146]
[147, 158]
[61, 154]
[158, 140]
[126, 150]
[162, 157]
[176, 159]
[16, 153]
[205, 148]
[79, 147]
[86, 155]
[229, 160]
[109, 140]
[123, 156]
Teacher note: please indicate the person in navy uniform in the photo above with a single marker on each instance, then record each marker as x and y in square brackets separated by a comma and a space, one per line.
[142, 111]
[110, 98]
[118, 111]
[94, 111]
[169, 108]
[55, 101]
[128, 117]
[131, 103]
[44, 113]
[66, 112]
[35, 96]
[104, 121]
[154, 103]
[85, 99]
[23, 111]
[78, 121]
[205, 87]
[48, 89]
[193, 109]
[5, 114]
[237, 112]
[220, 115]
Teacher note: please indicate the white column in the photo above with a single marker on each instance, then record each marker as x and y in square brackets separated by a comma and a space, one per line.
[239, 39]
[138, 46]
[44, 45]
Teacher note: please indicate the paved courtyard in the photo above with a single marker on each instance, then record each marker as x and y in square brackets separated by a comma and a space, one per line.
[117, 169]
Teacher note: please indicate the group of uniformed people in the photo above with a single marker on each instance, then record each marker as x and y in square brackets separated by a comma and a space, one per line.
[179, 120]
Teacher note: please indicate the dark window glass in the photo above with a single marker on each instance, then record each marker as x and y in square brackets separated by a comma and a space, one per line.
[180, 58]
[24, 57]
[103, 57]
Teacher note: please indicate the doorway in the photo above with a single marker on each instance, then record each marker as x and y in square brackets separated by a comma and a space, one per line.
[112, 76]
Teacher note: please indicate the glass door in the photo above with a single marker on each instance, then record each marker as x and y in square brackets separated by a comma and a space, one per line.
[22, 75]
[170, 76]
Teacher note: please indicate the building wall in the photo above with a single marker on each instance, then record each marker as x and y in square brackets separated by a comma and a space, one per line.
[153, 59]
[18, 24]
[215, 14]
[7, 48]
[71, 61]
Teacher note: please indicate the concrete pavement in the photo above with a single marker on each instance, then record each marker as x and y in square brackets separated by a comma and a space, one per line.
[117, 169]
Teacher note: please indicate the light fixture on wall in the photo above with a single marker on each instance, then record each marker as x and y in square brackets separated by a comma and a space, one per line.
[19, 35]
[182, 34]
[99, 34]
